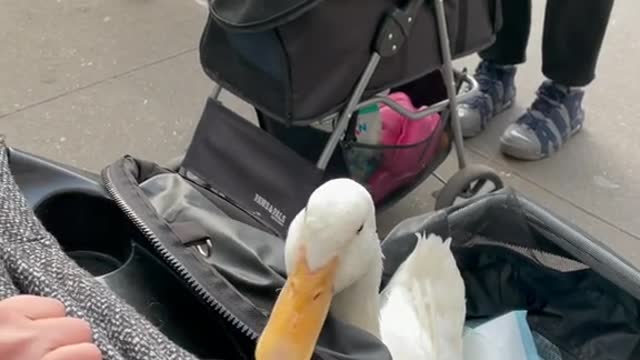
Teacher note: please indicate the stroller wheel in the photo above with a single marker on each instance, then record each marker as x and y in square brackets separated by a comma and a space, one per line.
[467, 183]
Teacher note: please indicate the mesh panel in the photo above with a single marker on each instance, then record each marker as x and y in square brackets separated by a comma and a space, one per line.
[385, 170]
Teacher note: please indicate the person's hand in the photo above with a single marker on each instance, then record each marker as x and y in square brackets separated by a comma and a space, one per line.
[36, 328]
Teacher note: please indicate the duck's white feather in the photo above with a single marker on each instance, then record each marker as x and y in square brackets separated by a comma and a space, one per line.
[420, 315]
[423, 307]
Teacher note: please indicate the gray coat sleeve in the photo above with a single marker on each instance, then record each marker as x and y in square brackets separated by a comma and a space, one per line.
[32, 262]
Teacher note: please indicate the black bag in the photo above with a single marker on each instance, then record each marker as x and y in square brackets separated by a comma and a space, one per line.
[256, 172]
[582, 300]
[234, 268]
[299, 60]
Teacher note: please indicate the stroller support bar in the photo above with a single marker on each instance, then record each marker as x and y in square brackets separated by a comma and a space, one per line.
[215, 92]
[472, 89]
[391, 35]
[450, 82]
[449, 79]
[352, 105]
[435, 108]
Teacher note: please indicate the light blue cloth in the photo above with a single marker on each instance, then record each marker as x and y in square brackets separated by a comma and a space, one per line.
[546, 349]
[507, 337]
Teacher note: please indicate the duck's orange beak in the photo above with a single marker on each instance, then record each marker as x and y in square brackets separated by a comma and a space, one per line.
[299, 313]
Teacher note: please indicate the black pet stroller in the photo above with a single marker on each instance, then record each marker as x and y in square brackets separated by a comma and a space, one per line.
[305, 64]
[200, 253]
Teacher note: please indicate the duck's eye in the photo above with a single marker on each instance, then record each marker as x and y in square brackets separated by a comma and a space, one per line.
[360, 228]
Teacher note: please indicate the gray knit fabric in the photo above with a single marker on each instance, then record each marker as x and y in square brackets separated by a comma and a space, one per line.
[32, 262]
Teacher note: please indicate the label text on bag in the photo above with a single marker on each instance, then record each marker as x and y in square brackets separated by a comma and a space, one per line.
[275, 213]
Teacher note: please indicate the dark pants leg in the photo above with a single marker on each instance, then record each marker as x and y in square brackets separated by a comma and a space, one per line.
[573, 35]
[510, 47]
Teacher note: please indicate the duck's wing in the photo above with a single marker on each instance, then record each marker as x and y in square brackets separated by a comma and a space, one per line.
[423, 308]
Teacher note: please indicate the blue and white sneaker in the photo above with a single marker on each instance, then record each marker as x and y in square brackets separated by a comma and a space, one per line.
[497, 93]
[554, 117]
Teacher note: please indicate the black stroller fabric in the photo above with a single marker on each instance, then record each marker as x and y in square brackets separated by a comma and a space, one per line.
[299, 60]
[514, 255]
[582, 300]
[251, 15]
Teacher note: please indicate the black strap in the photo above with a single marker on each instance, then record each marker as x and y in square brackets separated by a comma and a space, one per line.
[395, 28]
[439, 224]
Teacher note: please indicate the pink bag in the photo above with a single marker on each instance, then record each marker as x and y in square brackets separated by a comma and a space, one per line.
[411, 151]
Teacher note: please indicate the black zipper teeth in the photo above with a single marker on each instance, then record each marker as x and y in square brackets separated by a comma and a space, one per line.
[541, 252]
[173, 262]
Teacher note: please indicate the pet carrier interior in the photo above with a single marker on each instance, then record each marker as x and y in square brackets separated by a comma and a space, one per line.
[299, 60]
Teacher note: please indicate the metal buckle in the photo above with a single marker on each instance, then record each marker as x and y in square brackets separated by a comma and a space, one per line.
[205, 249]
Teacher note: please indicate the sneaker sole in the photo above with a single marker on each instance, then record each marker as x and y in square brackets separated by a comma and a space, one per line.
[519, 154]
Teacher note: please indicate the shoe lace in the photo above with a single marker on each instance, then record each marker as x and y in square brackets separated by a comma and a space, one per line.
[547, 99]
[486, 81]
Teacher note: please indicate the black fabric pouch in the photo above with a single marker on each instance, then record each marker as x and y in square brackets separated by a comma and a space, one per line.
[247, 166]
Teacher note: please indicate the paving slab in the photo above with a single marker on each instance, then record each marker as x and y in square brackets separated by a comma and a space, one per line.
[421, 200]
[149, 113]
[53, 47]
[597, 172]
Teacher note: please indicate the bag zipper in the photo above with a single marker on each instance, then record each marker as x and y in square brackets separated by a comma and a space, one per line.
[173, 262]
[576, 265]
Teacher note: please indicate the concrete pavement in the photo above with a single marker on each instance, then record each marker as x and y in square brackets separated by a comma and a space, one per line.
[86, 81]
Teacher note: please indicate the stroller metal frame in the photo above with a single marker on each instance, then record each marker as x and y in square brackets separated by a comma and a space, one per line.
[354, 103]
[468, 181]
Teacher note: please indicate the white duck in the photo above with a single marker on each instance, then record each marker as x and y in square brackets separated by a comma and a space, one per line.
[334, 263]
